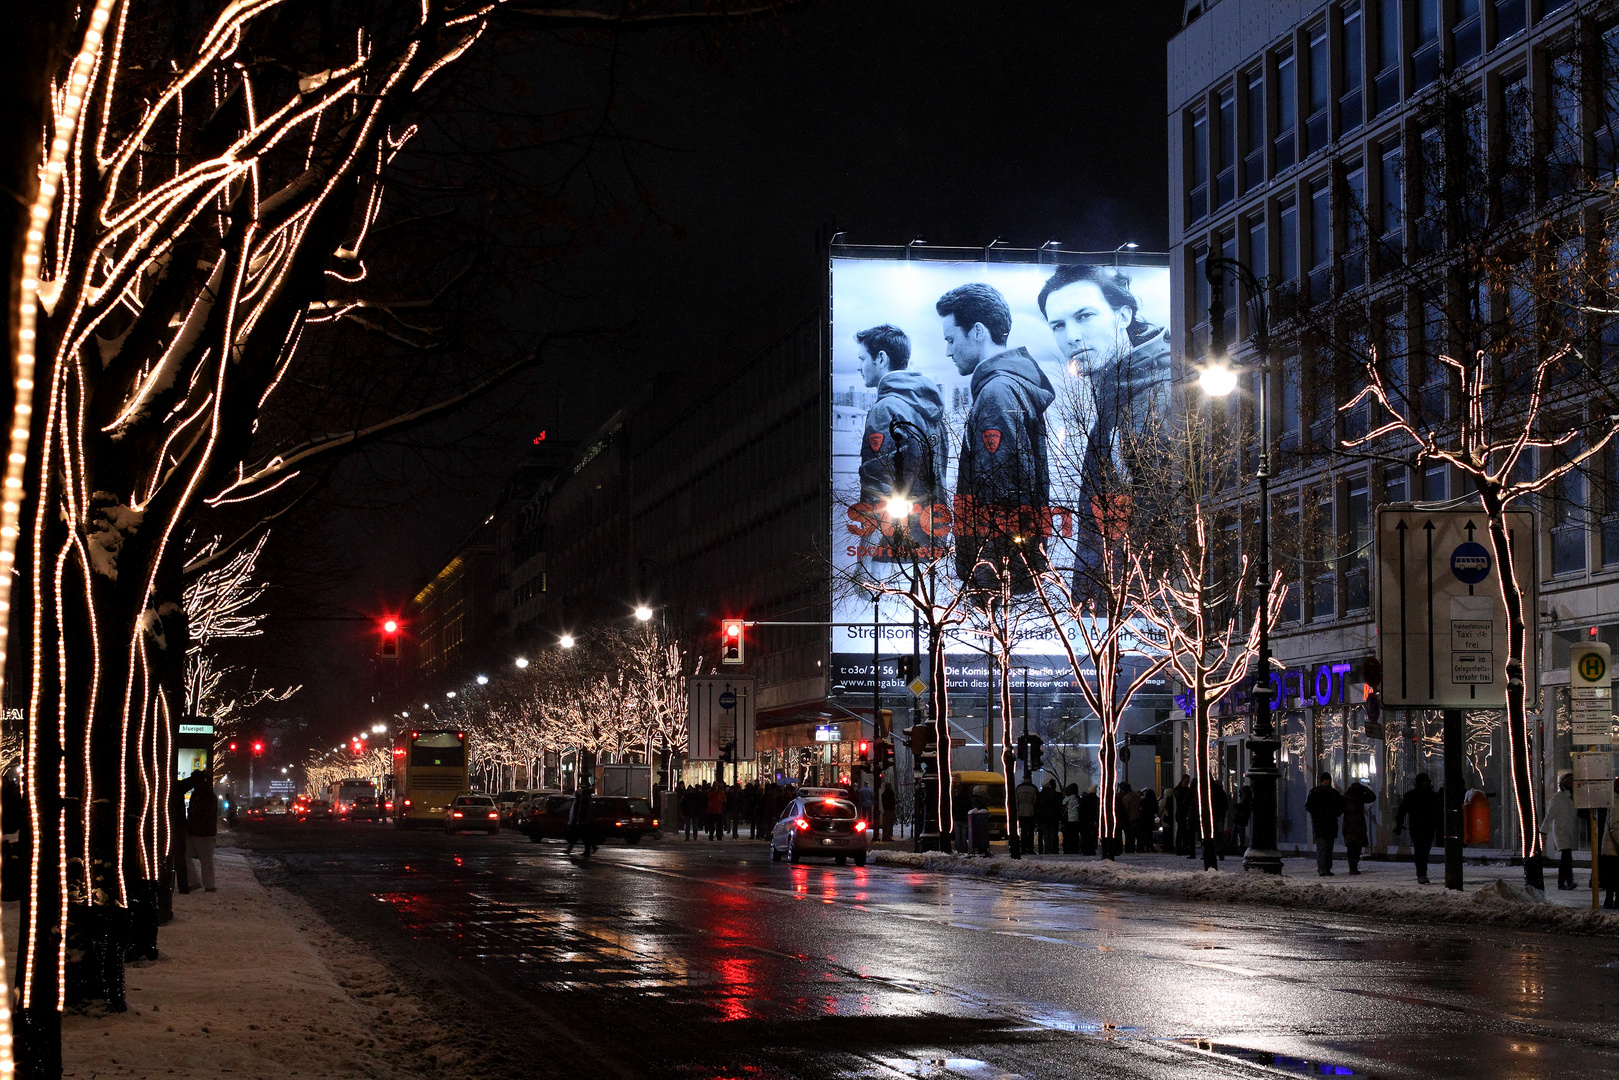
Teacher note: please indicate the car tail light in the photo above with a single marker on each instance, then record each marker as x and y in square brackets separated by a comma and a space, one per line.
[407, 802]
[860, 826]
[494, 814]
[455, 813]
[619, 824]
[389, 805]
[801, 823]
[654, 823]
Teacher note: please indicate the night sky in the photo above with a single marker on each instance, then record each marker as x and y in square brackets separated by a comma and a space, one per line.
[955, 121]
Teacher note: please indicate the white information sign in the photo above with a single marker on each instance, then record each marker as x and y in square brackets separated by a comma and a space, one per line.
[1590, 677]
[719, 713]
[1441, 624]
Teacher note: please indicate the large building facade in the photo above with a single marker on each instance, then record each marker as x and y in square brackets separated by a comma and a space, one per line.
[1302, 142]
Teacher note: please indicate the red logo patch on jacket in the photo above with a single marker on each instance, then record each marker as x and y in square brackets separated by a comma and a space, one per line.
[992, 440]
[875, 441]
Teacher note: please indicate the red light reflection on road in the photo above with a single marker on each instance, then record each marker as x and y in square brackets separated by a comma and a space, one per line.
[736, 976]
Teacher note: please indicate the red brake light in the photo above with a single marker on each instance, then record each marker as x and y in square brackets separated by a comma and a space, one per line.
[830, 801]
[455, 813]
[493, 813]
[801, 823]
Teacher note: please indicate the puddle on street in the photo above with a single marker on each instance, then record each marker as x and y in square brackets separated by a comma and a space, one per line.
[1301, 1065]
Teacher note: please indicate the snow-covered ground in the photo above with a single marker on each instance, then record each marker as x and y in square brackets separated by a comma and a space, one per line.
[1493, 894]
[252, 984]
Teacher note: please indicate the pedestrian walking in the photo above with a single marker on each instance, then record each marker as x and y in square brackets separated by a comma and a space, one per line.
[1048, 816]
[1357, 797]
[582, 821]
[1070, 820]
[202, 825]
[1090, 820]
[1185, 814]
[1130, 816]
[1561, 828]
[1146, 820]
[1421, 806]
[1608, 863]
[691, 802]
[1024, 797]
[1325, 806]
[1241, 815]
[716, 810]
[890, 802]
[1222, 808]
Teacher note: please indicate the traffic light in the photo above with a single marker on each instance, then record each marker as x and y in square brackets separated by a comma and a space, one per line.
[258, 747]
[389, 649]
[885, 756]
[921, 738]
[905, 668]
[865, 753]
[233, 746]
[731, 641]
[1036, 754]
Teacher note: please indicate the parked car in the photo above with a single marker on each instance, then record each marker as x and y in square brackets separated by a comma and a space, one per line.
[546, 817]
[472, 812]
[820, 825]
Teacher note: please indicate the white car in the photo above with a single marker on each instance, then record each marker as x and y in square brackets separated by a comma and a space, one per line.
[472, 812]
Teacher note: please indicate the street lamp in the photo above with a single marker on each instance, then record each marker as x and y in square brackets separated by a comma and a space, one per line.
[566, 641]
[1218, 379]
[643, 613]
[483, 680]
[521, 662]
[449, 693]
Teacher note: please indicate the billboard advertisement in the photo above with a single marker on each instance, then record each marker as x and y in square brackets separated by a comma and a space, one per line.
[984, 393]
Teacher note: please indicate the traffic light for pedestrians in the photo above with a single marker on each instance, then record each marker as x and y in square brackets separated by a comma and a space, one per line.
[731, 641]
[1036, 753]
[727, 753]
[884, 757]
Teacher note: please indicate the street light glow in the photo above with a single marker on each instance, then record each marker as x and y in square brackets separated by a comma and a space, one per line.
[899, 507]
[521, 662]
[483, 680]
[567, 641]
[1217, 380]
[643, 613]
[449, 693]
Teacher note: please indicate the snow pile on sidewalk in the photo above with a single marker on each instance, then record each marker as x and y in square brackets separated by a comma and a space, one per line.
[1499, 902]
[254, 985]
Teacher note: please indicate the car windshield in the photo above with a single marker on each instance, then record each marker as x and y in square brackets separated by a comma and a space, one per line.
[640, 807]
[835, 809]
[474, 800]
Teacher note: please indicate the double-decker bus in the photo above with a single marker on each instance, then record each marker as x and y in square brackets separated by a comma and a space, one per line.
[430, 768]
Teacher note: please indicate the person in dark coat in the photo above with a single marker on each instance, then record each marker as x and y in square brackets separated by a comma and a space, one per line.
[1325, 806]
[1357, 797]
[1003, 484]
[1240, 817]
[1070, 819]
[890, 803]
[1090, 821]
[14, 825]
[1048, 816]
[1425, 811]
[582, 821]
[1147, 820]
[1185, 817]
[202, 825]
[1222, 806]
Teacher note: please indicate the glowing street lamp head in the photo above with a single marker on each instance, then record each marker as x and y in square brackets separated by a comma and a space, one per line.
[449, 693]
[899, 507]
[483, 680]
[643, 613]
[521, 662]
[1217, 380]
[566, 641]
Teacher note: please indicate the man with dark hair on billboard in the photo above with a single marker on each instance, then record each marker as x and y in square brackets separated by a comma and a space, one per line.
[1002, 486]
[902, 449]
[1097, 324]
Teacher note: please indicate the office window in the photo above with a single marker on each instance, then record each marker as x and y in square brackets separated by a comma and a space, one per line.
[1197, 177]
[1350, 112]
[1391, 204]
[1358, 539]
[1565, 134]
[1386, 64]
[1287, 242]
[1467, 36]
[1322, 569]
[1258, 252]
[1200, 301]
[1435, 399]
[1355, 226]
[1427, 54]
[1436, 483]
[1606, 122]
[1287, 420]
[1253, 147]
[1511, 16]
[1358, 350]
[1429, 192]
[1287, 110]
[1233, 300]
[1323, 404]
[1515, 165]
[1286, 512]
[1320, 239]
[1610, 505]
[1317, 132]
[1394, 489]
[1395, 358]
[1225, 181]
[1567, 512]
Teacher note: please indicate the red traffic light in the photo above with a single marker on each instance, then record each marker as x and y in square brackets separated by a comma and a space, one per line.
[233, 747]
[258, 746]
[731, 643]
[865, 749]
[390, 626]
[733, 629]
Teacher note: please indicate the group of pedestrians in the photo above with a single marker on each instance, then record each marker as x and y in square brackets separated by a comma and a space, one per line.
[1326, 806]
[1566, 828]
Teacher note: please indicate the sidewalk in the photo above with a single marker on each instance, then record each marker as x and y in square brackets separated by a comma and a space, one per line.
[1493, 893]
[251, 984]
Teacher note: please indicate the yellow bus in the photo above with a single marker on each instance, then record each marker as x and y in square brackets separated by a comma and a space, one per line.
[992, 785]
[430, 769]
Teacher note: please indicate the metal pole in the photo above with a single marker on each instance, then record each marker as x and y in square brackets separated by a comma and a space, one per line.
[989, 714]
[876, 684]
[1454, 782]
[1263, 745]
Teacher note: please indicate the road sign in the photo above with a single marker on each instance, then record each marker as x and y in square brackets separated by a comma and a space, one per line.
[719, 712]
[917, 685]
[1593, 780]
[1590, 679]
[1441, 624]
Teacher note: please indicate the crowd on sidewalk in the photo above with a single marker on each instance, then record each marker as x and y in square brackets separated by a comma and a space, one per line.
[717, 810]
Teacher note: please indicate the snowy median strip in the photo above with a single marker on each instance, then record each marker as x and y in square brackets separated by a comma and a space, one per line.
[1495, 900]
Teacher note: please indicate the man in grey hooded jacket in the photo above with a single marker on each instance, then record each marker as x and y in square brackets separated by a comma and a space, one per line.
[1002, 507]
[902, 450]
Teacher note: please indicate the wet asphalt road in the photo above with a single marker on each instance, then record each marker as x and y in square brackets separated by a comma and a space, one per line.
[705, 960]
